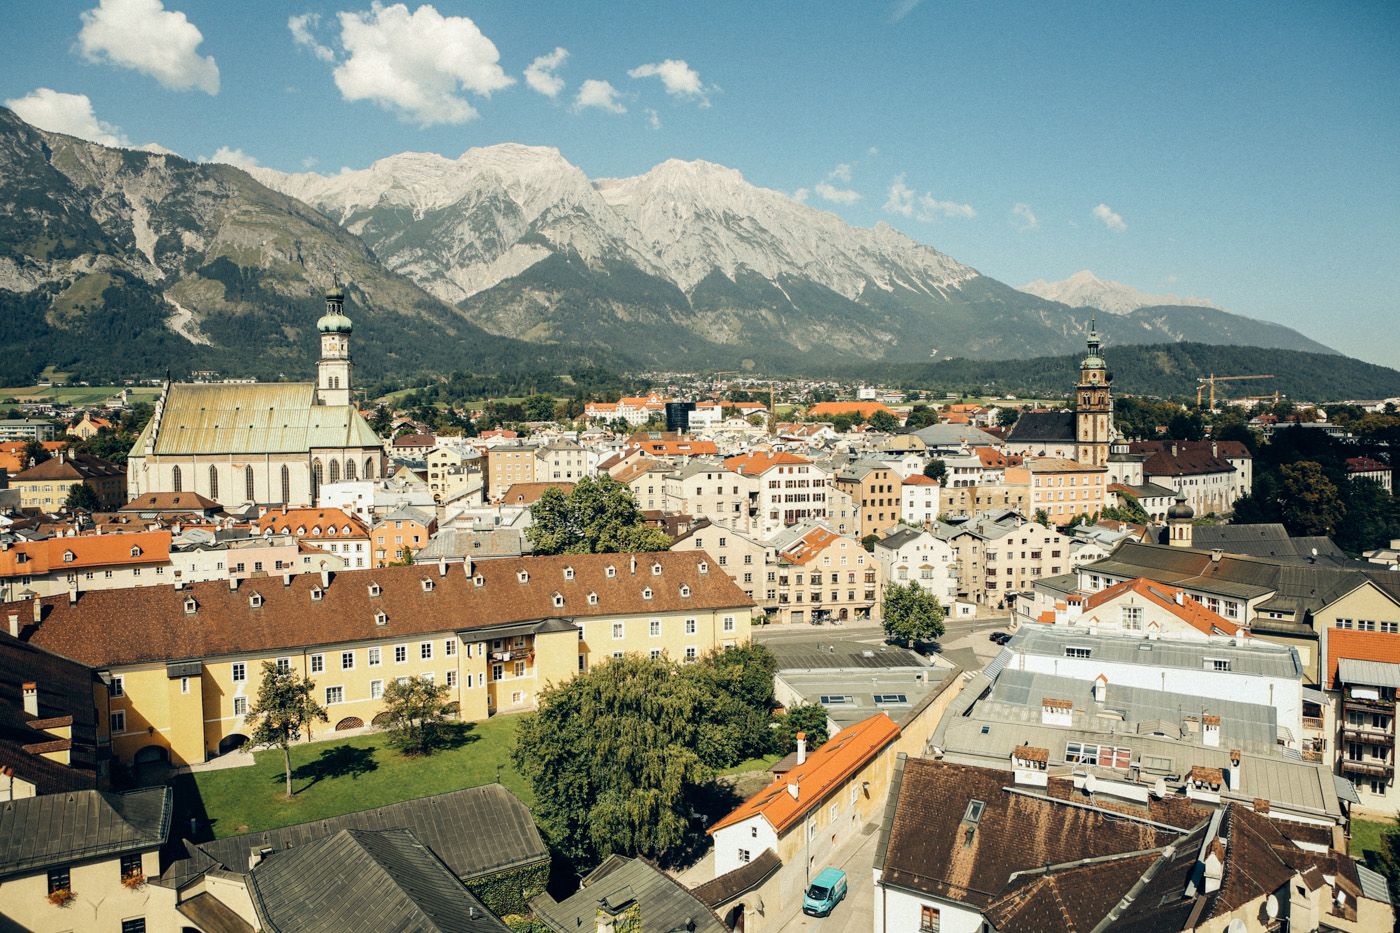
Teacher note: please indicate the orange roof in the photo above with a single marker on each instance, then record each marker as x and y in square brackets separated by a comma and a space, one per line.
[965, 408]
[313, 523]
[991, 457]
[679, 448]
[1160, 594]
[809, 545]
[865, 409]
[32, 558]
[1359, 646]
[11, 451]
[761, 461]
[529, 493]
[824, 772]
[919, 479]
[956, 418]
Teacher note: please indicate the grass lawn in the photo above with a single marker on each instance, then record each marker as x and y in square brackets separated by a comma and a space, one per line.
[77, 395]
[754, 764]
[345, 775]
[1366, 837]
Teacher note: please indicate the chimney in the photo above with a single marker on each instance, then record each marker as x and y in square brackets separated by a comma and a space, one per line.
[232, 583]
[634, 564]
[1210, 730]
[1180, 597]
[1031, 765]
[793, 790]
[1235, 756]
[38, 610]
[442, 566]
[257, 855]
[325, 578]
[802, 748]
[72, 592]
[1101, 689]
[287, 579]
[467, 567]
[31, 698]
[14, 625]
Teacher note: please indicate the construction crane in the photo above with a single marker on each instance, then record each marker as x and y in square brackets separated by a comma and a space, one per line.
[1212, 379]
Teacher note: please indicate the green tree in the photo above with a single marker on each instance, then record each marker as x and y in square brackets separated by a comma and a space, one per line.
[884, 422]
[809, 719]
[81, 496]
[34, 454]
[1006, 417]
[284, 707]
[911, 614]
[920, 416]
[416, 710]
[1130, 511]
[538, 408]
[599, 515]
[869, 542]
[1372, 516]
[1042, 518]
[1186, 426]
[936, 469]
[735, 722]
[382, 421]
[1309, 502]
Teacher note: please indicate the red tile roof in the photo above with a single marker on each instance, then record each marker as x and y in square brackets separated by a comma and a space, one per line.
[32, 558]
[529, 493]
[1359, 646]
[1160, 594]
[761, 461]
[824, 771]
[831, 409]
[807, 547]
[919, 479]
[313, 523]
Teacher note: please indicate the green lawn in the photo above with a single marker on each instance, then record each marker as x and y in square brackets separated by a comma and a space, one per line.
[1366, 837]
[346, 775]
[754, 764]
[77, 395]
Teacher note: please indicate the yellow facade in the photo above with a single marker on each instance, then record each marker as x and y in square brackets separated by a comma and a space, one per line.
[100, 901]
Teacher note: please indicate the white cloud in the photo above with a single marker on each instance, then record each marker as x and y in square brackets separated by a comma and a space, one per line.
[906, 202]
[235, 157]
[679, 79]
[653, 119]
[600, 94]
[842, 172]
[800, 195]
[836, 195]
[873, 151]
[65, 113]
[540, 73]
[301, 27]
[902, 8]
[1110, 218]
[309, 162]
[146, 37]
[1023, 218]
[417, 64]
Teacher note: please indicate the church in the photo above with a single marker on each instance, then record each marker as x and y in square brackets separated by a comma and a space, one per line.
[1084, 434]
[261, 444]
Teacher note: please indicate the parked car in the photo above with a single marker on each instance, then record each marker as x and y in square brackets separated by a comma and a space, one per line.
[999, 638]
[826, 891]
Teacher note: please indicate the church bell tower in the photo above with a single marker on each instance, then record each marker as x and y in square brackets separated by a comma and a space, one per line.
[1093, 407]
[333, 370]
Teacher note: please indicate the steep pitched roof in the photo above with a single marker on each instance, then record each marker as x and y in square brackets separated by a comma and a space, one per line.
[55, 829]
[529, 493]
[664, 903]
[825, 770]
[1043, 427]
[70, 467]
[1350, 644]
[33, 558]
[1170, 598]
[313, 523]
[761, 461]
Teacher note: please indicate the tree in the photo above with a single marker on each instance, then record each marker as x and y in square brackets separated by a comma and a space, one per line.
[1006, 417]
[884, 422]
[538, 408]
[1372, 516]
[1130, 511]
[1042, 518]
[416, 710]
[869, 542]
[920, 416]
[911, 613]
[809, 719]
[1309, 502]
[284, 707]
[936, 469]
[34, 454]
[1186, 426]
[81, 496]
[598, 516]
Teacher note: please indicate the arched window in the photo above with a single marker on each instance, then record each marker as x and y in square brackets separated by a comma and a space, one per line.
[350, 470]
[249, 491]
[335, 471]
[286, 485]
[316, 473]
[213, 482]
[369, 468]
[175, 480]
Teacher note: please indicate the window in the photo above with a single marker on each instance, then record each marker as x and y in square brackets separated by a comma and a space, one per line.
[743, 855]
[425, 651]
[240, 672]
[376, 689]
[1103, 756]
[1217, 664]
[646, 593]
[592, 599]
[118, 687]
[284, 665]
[498, 671]
[59, 880]
[130, 865]
[886, 699]
[449, 648]
[335, 695]
[118, 721]
[318, 663]
[184, 685]
[655, 653]
[836, 699]
[654, 628]
[691, 654]
[928, 919]
[690, 626]
[347, 660]
[373, 655]
[729, 623]
[240, 706]
[400, 654]
[176, 483]
[974, 811]
[451, 678]
[136, 925]
[1132, 618]
[213, 482]
[1073, 652]
[617, 631]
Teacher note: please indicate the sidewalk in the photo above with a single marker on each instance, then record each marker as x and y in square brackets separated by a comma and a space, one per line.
[857, 859]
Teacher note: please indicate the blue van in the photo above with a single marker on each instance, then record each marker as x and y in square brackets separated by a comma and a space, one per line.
[826, 891]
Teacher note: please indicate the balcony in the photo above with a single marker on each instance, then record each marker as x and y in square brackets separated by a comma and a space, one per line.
[1374, 767]
[1313, 723]
[1368, 734]
[514, 654]
[1384, 707]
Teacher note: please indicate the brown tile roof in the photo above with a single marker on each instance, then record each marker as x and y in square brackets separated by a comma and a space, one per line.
[70, 467]
[724, 888]
[32, 558]
[1203, 775]
[1072, 899]
[65, 698]
[312, 523]
[529, 493]
[114, 627]
[170, 502]
[928, 848]
[415, 440]
[1031, 753]
[807, 547]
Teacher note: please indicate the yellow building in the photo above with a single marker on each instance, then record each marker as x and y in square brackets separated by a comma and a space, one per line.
[45, 486]
[184, 663]
[1062, 488]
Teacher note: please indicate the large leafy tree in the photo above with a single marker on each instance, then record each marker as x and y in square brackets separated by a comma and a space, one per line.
[911, 613]
[920, 416]
[598, 516]
[416, 710]
[809, 719]
[936, 469]
[1372, 516]
[1130, 511]
[81, 496]
[1310, 503]
[884, 422]
[285, 706]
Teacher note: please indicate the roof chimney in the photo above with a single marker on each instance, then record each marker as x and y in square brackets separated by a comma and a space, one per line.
[38, 610]
[442, 566]
[793, 790]
[1235, 758]
[802, 748]
[14, 625]
[31, 698]
[325, 577]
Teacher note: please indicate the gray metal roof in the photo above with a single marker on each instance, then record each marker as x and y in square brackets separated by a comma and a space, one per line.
[1261, 658]
[665, 904]
[828, 652]
[861, 688]
[1369, 673]
[37, 833]
[1345, 789]
[955, 435]
[476, 831]
[1373, 884]
[363, 880]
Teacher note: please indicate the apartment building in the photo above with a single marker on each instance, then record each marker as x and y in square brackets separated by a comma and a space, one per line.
[402, 533]
[705, 488]
[184, 662]
[46, 485]
[918, 500]
[969, 500]
[790, 489]
[821, 576]
[330, 530]
[508, 464]
[1000, 554]
[915, 555]
[1062, 489]
[875, 488]
[1363, 675]
[562, 461]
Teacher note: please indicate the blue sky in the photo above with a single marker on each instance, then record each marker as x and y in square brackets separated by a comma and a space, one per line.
[1246, 153]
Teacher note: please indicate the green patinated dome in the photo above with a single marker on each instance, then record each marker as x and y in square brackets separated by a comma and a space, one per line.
[333, 322]
[1180, 509]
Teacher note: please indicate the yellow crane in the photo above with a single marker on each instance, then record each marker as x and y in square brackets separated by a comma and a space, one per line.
[1212, 379]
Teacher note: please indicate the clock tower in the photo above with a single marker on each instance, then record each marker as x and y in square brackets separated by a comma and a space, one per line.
[333, 371]
[1093, 407]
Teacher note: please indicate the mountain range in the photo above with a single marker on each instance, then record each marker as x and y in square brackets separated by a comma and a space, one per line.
[1086, 290]
[120, 262]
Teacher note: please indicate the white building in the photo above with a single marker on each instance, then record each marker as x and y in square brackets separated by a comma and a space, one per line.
[918, 500]
[910, 555]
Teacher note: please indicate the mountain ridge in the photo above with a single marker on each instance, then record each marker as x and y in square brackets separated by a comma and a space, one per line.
[1084, 289]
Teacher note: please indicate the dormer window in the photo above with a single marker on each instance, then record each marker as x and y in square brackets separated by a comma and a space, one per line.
[685, 590]
[568, 573]
[69, 557]
[345, 530]
[592, 599]
[301, 530]
[190, 605]
[255, 600]
[427, 585]
[646, 593]
[610, 571]
[704, 567]
[136, 552]
[375, 589]
[656, 569]
[316, 594]
[558, 601]
[523, 576]
[380, 618]
[478, 580]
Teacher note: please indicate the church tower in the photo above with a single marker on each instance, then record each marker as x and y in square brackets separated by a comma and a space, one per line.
[1093, 407]
[333, 371]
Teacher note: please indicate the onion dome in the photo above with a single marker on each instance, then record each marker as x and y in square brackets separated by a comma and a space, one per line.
[1181, 510]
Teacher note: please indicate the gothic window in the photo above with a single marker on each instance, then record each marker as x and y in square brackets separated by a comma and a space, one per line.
[175, 480]
[335, 471]
[213, 482]
[350, 470]
[248, 489]
[316, 473]
[286, 485]
[369, 468]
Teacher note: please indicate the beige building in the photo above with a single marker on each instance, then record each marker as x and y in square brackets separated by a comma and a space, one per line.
[749, 562]
[875, 489]
[453, 471]
[706, 489]
[1001, 553]
[822, 576]
[184, 664]
[647, 480]
[330, 530]
[1062, 489]
[791, 489]
[46, 486]
[969, 500]
[561, 461]
[507, 465]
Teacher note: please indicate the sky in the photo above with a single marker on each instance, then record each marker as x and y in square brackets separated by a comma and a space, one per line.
[1247, 153]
